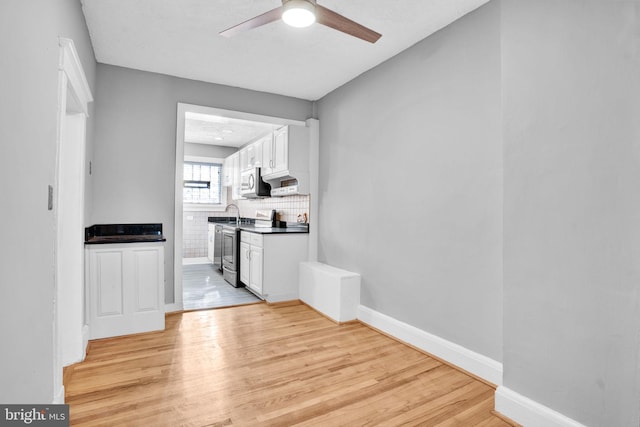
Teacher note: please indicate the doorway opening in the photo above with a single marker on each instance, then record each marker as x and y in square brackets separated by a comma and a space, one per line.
[205, 137]
[70, 327]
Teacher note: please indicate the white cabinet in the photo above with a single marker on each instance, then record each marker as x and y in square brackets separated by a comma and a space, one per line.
[276, 156]
[228, 170]
[251, 261]
[288, 153]
[245, 267]
[255, 270]
[267, 155]
[125, 288]
[254, 153]
[235, 186]
[280, 156]
[211, 241]
[243, 159]
[269, 263]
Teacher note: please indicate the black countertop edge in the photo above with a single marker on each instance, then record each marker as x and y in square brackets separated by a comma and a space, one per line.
[292, 229]
[248, 225]
[119, 239]
[123, 233]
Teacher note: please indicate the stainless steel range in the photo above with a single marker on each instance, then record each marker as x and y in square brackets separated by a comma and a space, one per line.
[231, 254]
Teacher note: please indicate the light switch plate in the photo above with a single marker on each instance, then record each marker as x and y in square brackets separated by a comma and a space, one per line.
[50, 200]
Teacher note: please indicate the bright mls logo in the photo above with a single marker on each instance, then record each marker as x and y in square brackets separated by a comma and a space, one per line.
[34, 415]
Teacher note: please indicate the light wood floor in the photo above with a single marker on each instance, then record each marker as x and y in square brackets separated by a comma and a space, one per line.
[260, 365]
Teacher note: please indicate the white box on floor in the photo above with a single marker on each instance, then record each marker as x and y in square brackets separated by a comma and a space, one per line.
[332, 291]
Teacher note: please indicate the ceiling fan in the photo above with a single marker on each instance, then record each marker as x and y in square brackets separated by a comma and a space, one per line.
[302, 13]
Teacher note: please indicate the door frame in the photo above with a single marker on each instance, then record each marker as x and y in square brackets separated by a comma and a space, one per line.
[182, 109]
[70, 332]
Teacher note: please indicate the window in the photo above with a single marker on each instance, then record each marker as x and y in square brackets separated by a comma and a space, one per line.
[202, 183]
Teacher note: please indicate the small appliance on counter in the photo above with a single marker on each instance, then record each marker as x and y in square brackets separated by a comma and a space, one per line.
[265, 218]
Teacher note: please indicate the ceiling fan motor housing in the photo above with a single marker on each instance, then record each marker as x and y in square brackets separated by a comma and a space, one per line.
[299, 13]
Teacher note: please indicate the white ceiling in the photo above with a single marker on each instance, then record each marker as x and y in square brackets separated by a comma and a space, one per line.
[202, 128]
[180, 38]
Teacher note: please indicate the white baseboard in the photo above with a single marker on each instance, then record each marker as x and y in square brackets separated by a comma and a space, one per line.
[85, 340]
[275, 298]
[475, 363]
[58, 399]
[528, 412]
[173, 307]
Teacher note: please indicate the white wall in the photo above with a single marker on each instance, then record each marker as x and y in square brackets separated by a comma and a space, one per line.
[411, 183]
[135, 131]
[571, 124]
[29, 33]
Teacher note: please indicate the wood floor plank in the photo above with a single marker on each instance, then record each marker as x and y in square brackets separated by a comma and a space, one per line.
[261, 365]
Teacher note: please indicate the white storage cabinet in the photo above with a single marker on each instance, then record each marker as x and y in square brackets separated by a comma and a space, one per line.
[269, 263]
[125, 288]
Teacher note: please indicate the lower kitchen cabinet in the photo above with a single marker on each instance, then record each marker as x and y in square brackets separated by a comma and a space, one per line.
[125, 288]
[251, 261]
[269, 264]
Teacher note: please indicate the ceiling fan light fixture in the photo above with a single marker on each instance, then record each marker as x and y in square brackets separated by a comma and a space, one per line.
[299, 13]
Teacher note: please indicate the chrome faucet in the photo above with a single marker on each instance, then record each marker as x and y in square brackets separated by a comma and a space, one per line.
[231, 205]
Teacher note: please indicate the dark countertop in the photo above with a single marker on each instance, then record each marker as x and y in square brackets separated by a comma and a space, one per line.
[123, 233]
[247, 224]
[275, 230]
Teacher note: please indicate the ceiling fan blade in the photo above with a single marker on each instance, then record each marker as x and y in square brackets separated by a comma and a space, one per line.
[265, 18]
[338, 22]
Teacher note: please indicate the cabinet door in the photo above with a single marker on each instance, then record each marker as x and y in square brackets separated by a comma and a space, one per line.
[235, 187]
[244, 159]
[281, 150]
[245, 268]
[267, 154]
[211, 241]
[254, 155]
[255, 275]
[126, 290]
[227, 172]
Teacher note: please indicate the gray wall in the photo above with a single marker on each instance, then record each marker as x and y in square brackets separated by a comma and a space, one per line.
[571, 94]
[135, 132]
[28, 114]
[411, 183]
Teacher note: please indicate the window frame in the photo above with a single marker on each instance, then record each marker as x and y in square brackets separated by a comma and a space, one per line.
[223, 190]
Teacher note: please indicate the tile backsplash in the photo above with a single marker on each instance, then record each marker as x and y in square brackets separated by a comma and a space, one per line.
[195, 234]
[195, 223]
[287, 207]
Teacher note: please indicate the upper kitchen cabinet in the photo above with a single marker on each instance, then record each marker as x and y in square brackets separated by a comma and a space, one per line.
[285, 162]
[243, 159]
[231, 175]
[251, 155]
[227, 170]
[235, 188]
[254, 152]
[275, 154]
